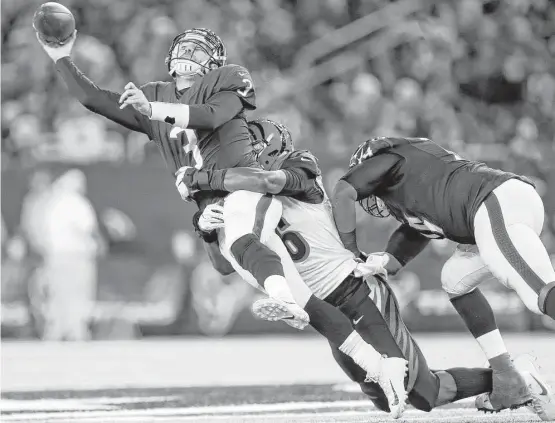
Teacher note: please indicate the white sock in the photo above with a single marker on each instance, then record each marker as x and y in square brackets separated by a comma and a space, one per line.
[362, 353]
[276, 287]
[492, 344]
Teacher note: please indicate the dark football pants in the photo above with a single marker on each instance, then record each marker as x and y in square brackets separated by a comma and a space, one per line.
[381, 326]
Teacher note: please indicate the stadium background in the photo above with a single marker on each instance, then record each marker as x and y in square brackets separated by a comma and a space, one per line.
[476, 77]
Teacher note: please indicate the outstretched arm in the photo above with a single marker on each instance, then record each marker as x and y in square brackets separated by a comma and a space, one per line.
[359, 183]
[93, 98]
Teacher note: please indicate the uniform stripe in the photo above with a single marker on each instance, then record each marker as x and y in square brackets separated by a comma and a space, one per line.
[413, 366]
[260, 214]
[507, 247]
[393, 317]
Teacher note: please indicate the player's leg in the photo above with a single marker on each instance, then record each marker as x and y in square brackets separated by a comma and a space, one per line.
[460, 276]
[246, 214]
[507, 227]
[333, 324]
[379, 323]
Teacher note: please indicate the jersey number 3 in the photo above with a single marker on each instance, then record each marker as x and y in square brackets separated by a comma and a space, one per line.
[296, 245]
[191, 146]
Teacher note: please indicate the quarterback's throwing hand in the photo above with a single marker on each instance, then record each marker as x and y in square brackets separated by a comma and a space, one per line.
[57, 51]
[135, 97]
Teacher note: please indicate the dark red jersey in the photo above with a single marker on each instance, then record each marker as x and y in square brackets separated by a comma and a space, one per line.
[226, 146]
[423, 185]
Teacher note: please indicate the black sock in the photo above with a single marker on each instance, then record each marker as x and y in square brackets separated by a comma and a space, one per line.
[476, 312]
[546, 300]
[328, 320]
[471, 382]
[256, 258]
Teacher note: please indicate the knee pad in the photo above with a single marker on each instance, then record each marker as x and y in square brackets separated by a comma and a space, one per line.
[256, 258]
[464, 271]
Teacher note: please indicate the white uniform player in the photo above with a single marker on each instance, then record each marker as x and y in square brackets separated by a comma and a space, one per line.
[309, 234]
[308, 231]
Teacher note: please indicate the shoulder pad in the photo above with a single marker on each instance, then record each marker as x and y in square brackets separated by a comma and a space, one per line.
[302, 159]
[237, 79]
[378, 145]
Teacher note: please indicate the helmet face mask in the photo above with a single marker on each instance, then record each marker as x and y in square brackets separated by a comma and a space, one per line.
[271, 140]
[195, 52]
[374, 206]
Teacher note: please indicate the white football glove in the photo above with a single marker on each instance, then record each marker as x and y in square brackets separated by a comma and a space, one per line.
[374, 265]
[180, 185]
[211, 218]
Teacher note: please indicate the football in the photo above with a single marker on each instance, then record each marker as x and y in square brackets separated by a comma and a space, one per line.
[54, 23]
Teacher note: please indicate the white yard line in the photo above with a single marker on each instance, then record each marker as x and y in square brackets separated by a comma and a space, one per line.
[262, 412]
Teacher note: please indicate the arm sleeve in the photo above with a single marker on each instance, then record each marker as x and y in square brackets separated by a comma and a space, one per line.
[406, 243]
[367, 176]
[103, 102]
[297, 181]
[220, 108]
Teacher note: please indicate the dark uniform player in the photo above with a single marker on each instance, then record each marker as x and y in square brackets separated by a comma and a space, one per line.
[436, 194]
[327, 267]
[196, 120]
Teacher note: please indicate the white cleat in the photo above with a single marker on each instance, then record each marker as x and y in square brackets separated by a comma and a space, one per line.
[543, 402]
[391, 378]
[273, 309]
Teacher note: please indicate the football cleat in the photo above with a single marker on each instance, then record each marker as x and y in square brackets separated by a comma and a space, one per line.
[543, 399]
[273, 309]
[509, 391]
[391, 378]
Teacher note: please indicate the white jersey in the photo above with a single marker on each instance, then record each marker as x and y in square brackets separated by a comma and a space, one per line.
[309, 233]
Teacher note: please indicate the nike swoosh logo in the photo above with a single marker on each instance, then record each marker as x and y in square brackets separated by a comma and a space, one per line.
[544, 390]
[396, 401]
[358, 320]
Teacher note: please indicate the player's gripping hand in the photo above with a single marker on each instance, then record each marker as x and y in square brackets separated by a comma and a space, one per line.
[57, 51]
[212, 218]
[183, 182]
[392, 265]
[375, 264]
[207, 222]
[135, 97]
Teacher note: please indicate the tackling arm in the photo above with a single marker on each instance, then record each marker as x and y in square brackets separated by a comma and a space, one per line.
[405, 244]
[103, 102]
[359, 183]
[287, 182]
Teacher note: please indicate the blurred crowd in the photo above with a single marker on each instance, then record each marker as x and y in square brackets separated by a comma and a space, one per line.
[477, 76]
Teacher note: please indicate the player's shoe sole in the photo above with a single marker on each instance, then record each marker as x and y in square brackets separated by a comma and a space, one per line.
[391, 378]
[273, 310]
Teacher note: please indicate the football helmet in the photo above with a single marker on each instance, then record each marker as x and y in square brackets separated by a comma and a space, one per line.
[195, 52]
[270, 141]
[374, 206]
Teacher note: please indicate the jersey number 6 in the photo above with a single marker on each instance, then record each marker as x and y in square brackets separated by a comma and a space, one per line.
[296, 245]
